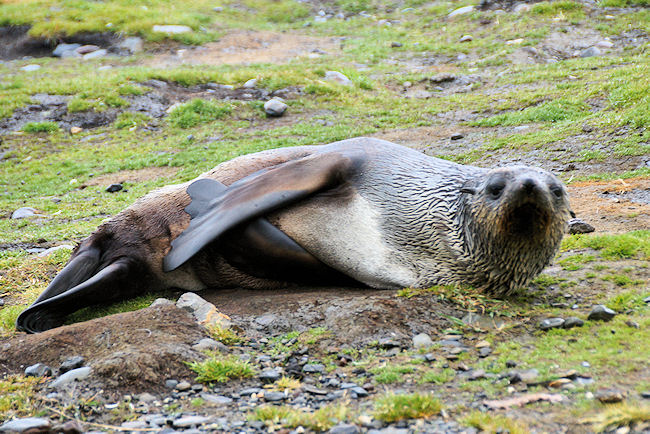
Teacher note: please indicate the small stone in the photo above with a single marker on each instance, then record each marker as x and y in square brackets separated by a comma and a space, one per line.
[85, 49]
[269, 375]
[601, 313]
[250, 84]
[560, 382]
[31, 424]
[38, 370]
[171, 29]
[69, 54]
[189, 137]
[312, 368]
[114, 188]
[47, 252]
[134, 424]
[645, 394]
[72, 427]
[274, 396]
[274, 107]
[395, 44]
[551, 323]
[460, 11]
[314, 390]
[183, 386]
[527, 376]
[590, 52]
[204, 312]
[609, 396]
[190, 421]
[484, 352]
[23, 212]
[579, 226]
[171, 384]
[344, 428]
[572, 322]
[646, 300]
[73, 375]
[360, 391]
[338, 78]
[604, 44]
[146, 397]
[75, 130]
[132, 44]
[585, 364]
[211, 345]
[96, 54]
[71, 363]
[633, 324]
[29, 68]
[466, 38]
[456, 136]
[422, 340]
[161, 302]
[62, 48]
[216, 399]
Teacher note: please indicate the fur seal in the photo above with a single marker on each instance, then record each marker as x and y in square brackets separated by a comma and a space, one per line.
[361, 211]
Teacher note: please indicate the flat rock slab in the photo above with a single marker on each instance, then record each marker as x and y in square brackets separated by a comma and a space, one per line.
[133, 351]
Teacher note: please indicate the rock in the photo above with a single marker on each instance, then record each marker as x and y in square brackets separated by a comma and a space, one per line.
[360, 391]
[134, 425]
[71, 363]
[96, 54]
[190, 421]
[395, 44]
[114, 188]
[590, 52]
[520, 8]
[527, 376]
[204, 312]
[265, 320]
[646, 300]
[215, 399]
[274, 396]
[38, 370]
[482, 321]
[633, 324]
[511, 364]
[132, 44]
[456, 136]
[466, 38]
[422, 340]
[146, 397]
[183, 386]
[572, 321]
[645, 394]
[171, 29]
[601, 313]
[62, 48]
[70, 376]
[387, 344]
[274, 107]
[27, 424]
[551, 323]
[344, 428]
[51, 250]
[484, 352]
[338, 78]
[161, 302]
[210, 345]
[604, 44]
[269, 375]
[250, 84]
[68, 54]
[609, 396]
[23, 212]
[461, 11]
[579, 226]
[72, 427]
[85, 49]
[171, 384]
[75, 130]
[32, 67]
[313, 390]
[312, 368]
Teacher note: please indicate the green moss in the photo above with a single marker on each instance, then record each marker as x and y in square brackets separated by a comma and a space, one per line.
[392, 408]
[321, 420]
[616, 246]
[551, 111]
[198, 111]
[41, 127]
[494, 423]
[220, 369]
[391, 373]
[130, 120]
[437, 376]
[16, 396]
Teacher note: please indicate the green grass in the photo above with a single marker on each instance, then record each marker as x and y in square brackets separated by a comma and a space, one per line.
[131, 120]
[224, 335]
[390, 373]
[441, 376]
[634, 244]
[16, 396]
[551, 111]
[392, 408]
[220, 369]
[494, 423]
[41, 127]
[321, 420]
[198, 111]
[623, 415]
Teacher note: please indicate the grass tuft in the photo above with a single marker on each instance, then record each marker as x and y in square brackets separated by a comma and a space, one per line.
[198, 111]
[391, 407]
[494, 423]
[613, 246]
[16, 395]
[224, 335]
[321, 420]
[41, 127]
[220, 369]
[612, 417]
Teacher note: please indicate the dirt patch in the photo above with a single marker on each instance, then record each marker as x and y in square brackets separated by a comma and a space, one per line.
[132, 176]
[246, 47]
[134, 351]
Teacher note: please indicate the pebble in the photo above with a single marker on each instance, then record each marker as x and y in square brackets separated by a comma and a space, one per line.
[85, 49]
[314, 390]
[171, 29]
[38, 370]
[344, 428]
[395, 44]
[527, 376]
[161, 302]
[146, 397]
[96, 54]
[190, 421]
[114, 188]
[359, 391]
[210, 344]
[31, 424]
[274, 396]
[71, 363]
[337, 77]
[572, 322]
[23, 212]
[134, 424]
[551, 323]
[604, 44]
[32, 67]
[269, 375]
[456, 136]
[72, 427]
[609, 396]
[274, 107]
[48, 252]
[171, 384]
[521, 8]
[601, 313]
[466, 38]
[132, 44]
[484, 352]
[62, 48]
[312, 368]
[216, 399]
[422, 340]
[73, 375]
[204, 312]
[461, 11]
[579, 226]
[183, 386]
[590, 52]
[645, 394]
[250, 83]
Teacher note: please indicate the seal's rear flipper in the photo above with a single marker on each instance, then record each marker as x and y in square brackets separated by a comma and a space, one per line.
[51, 308]
[259, 194]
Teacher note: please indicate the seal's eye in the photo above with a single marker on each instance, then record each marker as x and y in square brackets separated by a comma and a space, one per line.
[495, 188]
[556, 190]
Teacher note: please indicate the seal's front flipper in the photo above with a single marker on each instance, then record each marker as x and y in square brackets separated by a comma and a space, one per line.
[56, 302]
[259, 194]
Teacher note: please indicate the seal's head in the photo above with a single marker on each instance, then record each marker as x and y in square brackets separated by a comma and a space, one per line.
[517, 217]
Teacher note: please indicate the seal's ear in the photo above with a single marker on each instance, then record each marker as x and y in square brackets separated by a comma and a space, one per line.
[469, 187]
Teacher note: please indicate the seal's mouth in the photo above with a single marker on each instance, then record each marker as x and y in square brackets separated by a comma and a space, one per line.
[528, 219]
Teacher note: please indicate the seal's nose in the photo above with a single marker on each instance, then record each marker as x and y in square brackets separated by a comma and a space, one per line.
[529, 185]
